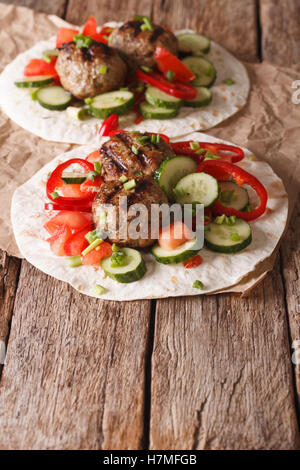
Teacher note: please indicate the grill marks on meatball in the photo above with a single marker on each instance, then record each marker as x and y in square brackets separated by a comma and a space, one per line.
[118, 158]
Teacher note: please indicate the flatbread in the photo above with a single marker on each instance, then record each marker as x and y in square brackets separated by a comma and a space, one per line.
[218, 271]
[58, 126]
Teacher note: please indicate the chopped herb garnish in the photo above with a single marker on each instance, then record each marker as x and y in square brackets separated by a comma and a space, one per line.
[230, 220]
[88, 100]
[91, 175]
[211, 156]
[194, 145]
[54, 195]
[142, 140]
[74, 261]
[146, 69]
[139, 89]
[92, 246]
[120, 99]
[198, 285]
[99, 290]
[235, 237]
[82, 41]
[102, 69]
[219, 220]
[147, 24]
[124, 89]
[226, 196]
[118, 258]
[97, 168]
[200, 151]
[115, 247]
[92, 236]
[170, 75]
[229, 81]
[123, 178]
[134, 149]
[129, 185]
[155, 139]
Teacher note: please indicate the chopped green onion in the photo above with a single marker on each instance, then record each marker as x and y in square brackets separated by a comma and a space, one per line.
[200, 151]
[97, 168]
[157, 139]
[118, 258]
[230, 220]
[146, 69]
[123, 179]
[139, 89]
[88, 100]
[82, 41]
[99, 290]
[211, 156]
[54, 195]
[147, 23]
[170, 75]
[102, 69]
[102, 218]
[134, 150]
[74, 261]
[229, 81]
[91, 247]
[114, 247]
[142, 140]
[194, 145]
[235, 237]
[226, 196]
[92, 236]
[220, 220]
[91, 175]
[129, 185]
[124, 89]
[198, 285]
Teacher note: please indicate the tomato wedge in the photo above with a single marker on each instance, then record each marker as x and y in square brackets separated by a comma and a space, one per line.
[108, 125]
[167, 62]
[93, 157]
[90, 27]
[74, 220]
[95, 256]
[58, 240]
[40, 67]
[179, 90]
[77, 242]
[65, 35]
[193, 262]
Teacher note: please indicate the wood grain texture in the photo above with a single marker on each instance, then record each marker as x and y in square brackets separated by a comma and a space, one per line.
[222, 20]
[75, 369]
[53, 7]
[290, 261]
[280, 22]
[221, 373]
[106, 10]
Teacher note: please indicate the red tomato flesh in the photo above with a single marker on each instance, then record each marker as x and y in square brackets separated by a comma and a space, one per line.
[65, 35]
[174, 235]
[74, 220]
[95, 256]
[58, 240]
[77, 242]
[90, 27]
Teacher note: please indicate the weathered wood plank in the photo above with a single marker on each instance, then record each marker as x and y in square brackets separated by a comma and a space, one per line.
[221, 373]
[280, 23]
[54, 7]
[80, 365]
[111, 10]
[222, 20]
[290, 261]
[9, 272]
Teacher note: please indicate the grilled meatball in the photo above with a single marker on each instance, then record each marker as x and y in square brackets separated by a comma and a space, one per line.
[131, 155]
[118, 221]
[78, 69]
[138, 46]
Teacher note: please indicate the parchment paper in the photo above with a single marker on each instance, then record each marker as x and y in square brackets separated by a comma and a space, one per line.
[269, 125]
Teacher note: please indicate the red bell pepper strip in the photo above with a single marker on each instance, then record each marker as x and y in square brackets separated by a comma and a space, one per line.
[109, 124]
[90, 27]
[193, 262]
[65, 35]
[184, 148]
[168, 62]
[41, 67]
[60, 206]
[223, 171]
[175, 88]
[55, 181]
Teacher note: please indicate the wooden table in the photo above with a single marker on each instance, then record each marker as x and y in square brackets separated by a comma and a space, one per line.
[209, 372]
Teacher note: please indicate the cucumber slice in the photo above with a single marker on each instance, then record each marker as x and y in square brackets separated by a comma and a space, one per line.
[79, 114]
[171, 171]
[196, 44]
[149, 111]
[73, 178]
[48, 54]
[34, 81]
[113, 102]
[54, 98]
[203, 98]
[203, 69]
[182, 253]
[198, 188]
[228, 238]
[232, 195]
[161, 99]
[131, 272]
